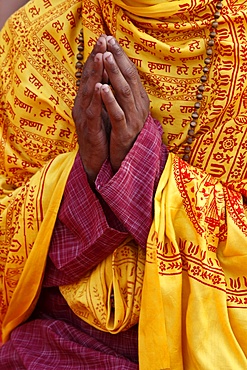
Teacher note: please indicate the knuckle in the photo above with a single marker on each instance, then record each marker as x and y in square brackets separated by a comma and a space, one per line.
[118, 116]
[89, 113]
[84, 92]
[129, 135]
[126, 91]
[114, 69]
[131, 72]
[118, 51]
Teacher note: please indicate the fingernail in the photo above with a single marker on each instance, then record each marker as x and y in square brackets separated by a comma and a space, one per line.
[111, 41]
[106, 88]
[96, 58]
[108, 56]
[98, 86]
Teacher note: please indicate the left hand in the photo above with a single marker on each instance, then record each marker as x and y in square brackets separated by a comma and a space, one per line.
[88, 113]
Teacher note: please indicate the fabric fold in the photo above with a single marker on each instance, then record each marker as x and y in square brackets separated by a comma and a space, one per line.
[109, 297]
[23, 285]
[186, 273]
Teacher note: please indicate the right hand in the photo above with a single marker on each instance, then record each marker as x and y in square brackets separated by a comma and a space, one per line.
[126, 102]
[88, 115]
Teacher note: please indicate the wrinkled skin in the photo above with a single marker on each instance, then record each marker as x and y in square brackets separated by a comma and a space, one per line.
[108, 118]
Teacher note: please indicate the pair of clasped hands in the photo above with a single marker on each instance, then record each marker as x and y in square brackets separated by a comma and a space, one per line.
[111, 107]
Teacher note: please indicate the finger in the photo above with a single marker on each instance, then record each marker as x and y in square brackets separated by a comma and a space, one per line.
[92, 71]
[89, 80]
[94, 110]
[127, 68]
[114, 110]
[99, 47]
[121, 87]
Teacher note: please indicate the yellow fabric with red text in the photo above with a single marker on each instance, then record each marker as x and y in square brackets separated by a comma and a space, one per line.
[109, 297]
[38, 146]
[192, 260]
[195, 275]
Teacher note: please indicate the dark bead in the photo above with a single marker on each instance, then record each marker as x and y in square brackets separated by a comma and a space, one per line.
[197, 105]
[205, 69]
[209, 51]
[80, 48]
[201, 88]
[186, 157]
[207, 61]
[189, 140]
[81, 39]
[195, 115]
[191, 132]
[212, 34]
[81, 31]
[204, 78]
[211, 43]
[79, 56]
[199, 96]
[193, 124]
[219, 6]
[216, 15]
[187, 149]
[78, 83]
[215, 24]
[78, 74]
[79, 65]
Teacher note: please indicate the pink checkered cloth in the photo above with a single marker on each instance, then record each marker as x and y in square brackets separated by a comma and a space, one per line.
[90, 225]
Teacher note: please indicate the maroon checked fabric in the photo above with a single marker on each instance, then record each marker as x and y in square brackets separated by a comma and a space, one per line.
[90, 225]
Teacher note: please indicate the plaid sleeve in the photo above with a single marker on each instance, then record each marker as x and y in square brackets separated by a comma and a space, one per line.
[129, 193]
[82, 236]
[90, 224]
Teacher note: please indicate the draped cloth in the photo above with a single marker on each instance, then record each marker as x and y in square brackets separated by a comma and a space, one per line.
[195, 275]
[194, 293]
[38, 147]
[109, 297]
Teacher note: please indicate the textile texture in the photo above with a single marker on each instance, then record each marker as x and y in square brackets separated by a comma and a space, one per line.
[195, 273]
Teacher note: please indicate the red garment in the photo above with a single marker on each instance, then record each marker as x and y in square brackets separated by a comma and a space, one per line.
[89, 227]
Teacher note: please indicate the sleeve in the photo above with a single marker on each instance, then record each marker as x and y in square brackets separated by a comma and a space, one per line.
[82, 236]
[92, 224]
[129, 193]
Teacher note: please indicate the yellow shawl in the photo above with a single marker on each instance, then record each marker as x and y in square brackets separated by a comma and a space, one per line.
[38, 146]
[195, 251]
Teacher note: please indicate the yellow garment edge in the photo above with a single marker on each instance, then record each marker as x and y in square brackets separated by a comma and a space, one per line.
[185, 273]
[38, 148]
[51, 181]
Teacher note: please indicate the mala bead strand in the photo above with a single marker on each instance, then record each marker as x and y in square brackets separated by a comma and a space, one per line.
[79, 56]
[203, 80]
[200, 89]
